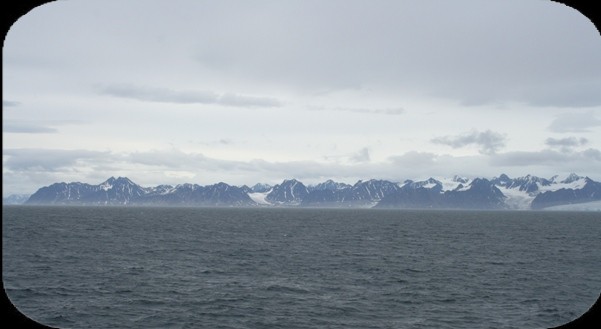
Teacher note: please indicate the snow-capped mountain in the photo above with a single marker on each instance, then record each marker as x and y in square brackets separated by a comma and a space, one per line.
[478, 194]
[529, 184]
[503, 192]
[159, 190]
[15, 199]
[328, 185]
[566, 180]
[362, 194]
[571, 191]
[260, 188]
[122, 191]
[372, 191]
[421, 194]
[290, 192]
[113, 191]
[220, 194]
[521, 192]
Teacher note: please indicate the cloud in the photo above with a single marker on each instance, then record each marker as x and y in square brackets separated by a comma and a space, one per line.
[488, 58]
[9, 103]
[575, 122]
[421, 165]
[390, 111]
[222, 142]
[566, 144]
[546, 163]
[546, 158]
[174, 166]
[172, 159]
[572, 93]
[231, 99]
[517, 54]
[384, 111]
[251, 171]
[377, 111]
[361, 156]
[26, 170]
[49, 160]
[162, 95]
[414, 158]
[592, 154]
[521, 158]
[27, 128]
[488, 141]
[165, 95]
[568, 141]
[396, 44]
[175, 159]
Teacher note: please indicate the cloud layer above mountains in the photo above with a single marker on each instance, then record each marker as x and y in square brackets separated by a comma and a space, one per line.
[259, 91]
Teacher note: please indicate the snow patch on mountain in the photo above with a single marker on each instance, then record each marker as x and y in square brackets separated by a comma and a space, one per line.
[447, 184]
[516, 199]
[451, 184]
[161, 189]
[259, 197]
[260, 187]
[367, 205]
[106, 186]
[570, 183]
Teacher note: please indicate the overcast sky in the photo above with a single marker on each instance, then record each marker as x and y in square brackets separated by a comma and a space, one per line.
[243, 92]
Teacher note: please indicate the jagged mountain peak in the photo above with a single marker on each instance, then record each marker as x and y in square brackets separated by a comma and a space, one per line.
[290, 191]
[187, 186]
[482, 182]
[572, 177]
[501, 192]
[460, 179]
[330, 185]
[428, 183]
[528, 183]
[503, 180]
[260, 188]
[112, 181]
[119, 179]
[370, 182]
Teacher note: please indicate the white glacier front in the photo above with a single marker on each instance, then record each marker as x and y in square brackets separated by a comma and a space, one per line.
[259, 197]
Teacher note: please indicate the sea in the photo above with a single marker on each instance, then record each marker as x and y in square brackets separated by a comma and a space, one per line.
[154, 267]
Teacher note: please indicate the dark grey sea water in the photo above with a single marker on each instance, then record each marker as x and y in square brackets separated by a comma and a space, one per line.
[104, 267]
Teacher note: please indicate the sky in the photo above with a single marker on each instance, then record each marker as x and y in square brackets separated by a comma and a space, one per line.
[188, 91]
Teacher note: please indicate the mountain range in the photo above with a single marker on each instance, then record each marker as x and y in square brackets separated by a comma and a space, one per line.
[503, 192]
